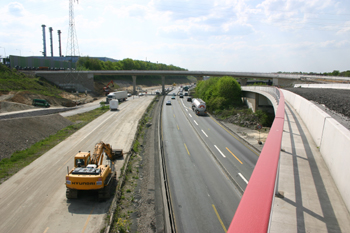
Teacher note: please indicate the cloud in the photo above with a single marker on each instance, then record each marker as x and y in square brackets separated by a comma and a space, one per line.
[15, 9]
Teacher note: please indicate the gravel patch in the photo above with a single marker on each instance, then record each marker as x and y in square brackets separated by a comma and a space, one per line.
[335, 102]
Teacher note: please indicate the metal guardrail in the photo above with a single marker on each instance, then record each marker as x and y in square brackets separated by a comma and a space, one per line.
[254, 210]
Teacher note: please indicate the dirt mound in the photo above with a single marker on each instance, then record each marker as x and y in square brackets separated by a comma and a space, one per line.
[20, 133]
[26, 97]
[11, 106]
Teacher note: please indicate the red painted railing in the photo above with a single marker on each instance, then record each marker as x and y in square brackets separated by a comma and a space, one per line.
[254, 209]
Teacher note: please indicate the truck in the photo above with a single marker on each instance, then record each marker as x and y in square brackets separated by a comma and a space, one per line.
[119, 95]
[89, 173]
[41, 103]
[199, 106]
[113, 104]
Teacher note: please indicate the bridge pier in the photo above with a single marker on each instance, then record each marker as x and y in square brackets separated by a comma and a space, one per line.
[134, 85]
[257, 101]
[243, 81]
[163, 85]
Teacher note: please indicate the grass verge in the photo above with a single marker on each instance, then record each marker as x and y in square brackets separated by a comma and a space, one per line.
[20, 159]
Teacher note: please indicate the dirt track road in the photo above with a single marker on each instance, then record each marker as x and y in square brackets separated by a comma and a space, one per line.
[34, 199]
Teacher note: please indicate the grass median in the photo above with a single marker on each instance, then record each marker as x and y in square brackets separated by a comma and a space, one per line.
[20, 159]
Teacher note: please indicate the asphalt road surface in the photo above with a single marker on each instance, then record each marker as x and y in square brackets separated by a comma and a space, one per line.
[208, 168]
[34, 200]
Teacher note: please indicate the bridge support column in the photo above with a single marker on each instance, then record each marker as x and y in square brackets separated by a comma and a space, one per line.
[163, 85]
[134, 85]
[251, 99]
[243, 81]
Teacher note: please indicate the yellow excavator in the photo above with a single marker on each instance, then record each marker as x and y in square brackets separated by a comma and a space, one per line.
[89, 173]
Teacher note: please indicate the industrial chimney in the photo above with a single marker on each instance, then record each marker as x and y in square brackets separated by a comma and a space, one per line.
[50, 30]
[44, 40]
[59, 42]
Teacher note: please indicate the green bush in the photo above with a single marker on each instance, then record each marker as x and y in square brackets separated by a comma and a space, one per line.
[219, 93]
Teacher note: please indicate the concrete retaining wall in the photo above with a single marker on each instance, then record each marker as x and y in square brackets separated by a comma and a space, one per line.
[332, 138]
[81, 82]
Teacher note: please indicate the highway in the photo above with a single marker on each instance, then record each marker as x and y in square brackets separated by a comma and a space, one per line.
[34, 199]
[208, 168]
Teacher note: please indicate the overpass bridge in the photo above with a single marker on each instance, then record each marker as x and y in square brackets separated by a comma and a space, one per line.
[298, 183]
[84, 80]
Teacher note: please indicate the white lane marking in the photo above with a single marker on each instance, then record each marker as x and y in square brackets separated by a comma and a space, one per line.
[190, 115]
[220, 151]
[243, 178]
[195, 122]
[186, 110]
[204, 133]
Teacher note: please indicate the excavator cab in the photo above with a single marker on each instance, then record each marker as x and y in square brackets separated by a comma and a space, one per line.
[82, 159]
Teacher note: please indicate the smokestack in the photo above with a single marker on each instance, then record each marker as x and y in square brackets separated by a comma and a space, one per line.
[50, 29]
[44, 40]
[59, 42]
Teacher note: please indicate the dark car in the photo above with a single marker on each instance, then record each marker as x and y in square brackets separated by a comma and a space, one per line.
[189, 99]
[186, 94]
[168, 102]
[181, 95]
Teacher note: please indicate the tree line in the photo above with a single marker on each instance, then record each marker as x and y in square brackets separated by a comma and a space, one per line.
[333, 73]
[88, 63]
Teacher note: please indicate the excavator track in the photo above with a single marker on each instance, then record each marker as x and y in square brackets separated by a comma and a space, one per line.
[105, 193]
[71, 193]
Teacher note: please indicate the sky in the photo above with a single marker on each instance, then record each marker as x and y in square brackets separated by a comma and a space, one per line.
[216, 35]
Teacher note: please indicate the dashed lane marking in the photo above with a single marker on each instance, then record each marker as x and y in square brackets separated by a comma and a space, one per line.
[220, 151]
[204, 133]
[245, 180]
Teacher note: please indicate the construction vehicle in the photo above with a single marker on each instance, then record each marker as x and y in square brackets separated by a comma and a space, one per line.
[199, 106]
[89, 173]
[106, 89]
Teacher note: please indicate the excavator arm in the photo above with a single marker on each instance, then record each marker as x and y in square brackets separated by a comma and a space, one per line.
[97, 157]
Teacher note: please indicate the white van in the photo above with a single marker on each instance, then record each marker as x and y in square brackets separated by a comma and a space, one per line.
[113, 104]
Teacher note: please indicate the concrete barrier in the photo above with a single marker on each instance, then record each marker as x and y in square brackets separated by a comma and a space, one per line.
[332, 138]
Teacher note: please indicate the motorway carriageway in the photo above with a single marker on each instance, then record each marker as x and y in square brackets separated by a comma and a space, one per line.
[208, 168]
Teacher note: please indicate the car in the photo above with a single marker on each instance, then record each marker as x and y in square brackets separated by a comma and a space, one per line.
[173, 97]
[129, 95]
[174, 94]
[168, 102]
[189, 99]
[186, 94]
[140, 94]
[181, 95]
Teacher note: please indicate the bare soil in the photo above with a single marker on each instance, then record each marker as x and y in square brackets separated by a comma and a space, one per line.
[19, 134]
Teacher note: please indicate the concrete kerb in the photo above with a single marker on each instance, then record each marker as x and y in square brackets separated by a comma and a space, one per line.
[121, 177]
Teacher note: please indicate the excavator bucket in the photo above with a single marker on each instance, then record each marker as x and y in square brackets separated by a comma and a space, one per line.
[117, 153]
